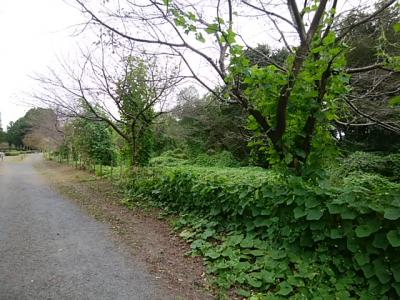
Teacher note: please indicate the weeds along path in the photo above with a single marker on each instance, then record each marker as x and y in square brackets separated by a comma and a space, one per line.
[50, 249]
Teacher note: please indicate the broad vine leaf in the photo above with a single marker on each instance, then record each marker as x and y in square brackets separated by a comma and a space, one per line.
[336, 234]
[235, 239]
[295, 281]
[381, 270]
[380, 241]
[314, 214]
[368, 270]
[393, 237]
[254, 282]
[243, 293]
[311, 202]
[284, 288]
[299, 212]
[247, 243]
[212, 254]
[352, 244]
[348, 214]
[367, 229]
[395, 268]
[396, 286]
[362, 258]
[392, 213]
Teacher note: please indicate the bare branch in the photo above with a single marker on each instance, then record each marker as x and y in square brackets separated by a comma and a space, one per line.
[297, 19]
[269, 13]
[366, 19]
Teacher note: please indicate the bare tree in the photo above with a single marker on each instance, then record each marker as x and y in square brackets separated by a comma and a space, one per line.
[44, 131]
[128, 93]
[375, 79]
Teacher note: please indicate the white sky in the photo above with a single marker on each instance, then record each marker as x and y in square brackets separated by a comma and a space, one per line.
[33, 34]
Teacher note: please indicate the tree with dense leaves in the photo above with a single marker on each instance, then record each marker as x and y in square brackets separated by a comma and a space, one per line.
[39, 128]
[16, 132]
[204, 124]
[3, 136]
[89, 141]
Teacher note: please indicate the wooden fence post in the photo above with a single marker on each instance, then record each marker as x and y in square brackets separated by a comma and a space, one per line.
[112, 164]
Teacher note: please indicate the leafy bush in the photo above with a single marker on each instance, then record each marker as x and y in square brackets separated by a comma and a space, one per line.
[169, 158]
[12, 153]
[275, 237]
[385, 165]
[178, 157]
[220, 159]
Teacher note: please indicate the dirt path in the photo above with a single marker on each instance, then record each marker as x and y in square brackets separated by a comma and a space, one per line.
[51, 249]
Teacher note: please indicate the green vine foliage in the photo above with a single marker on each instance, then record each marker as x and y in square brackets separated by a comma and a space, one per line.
[311, 97]
[137, 111]
[89, 141]
[269, 236]
[263, 87]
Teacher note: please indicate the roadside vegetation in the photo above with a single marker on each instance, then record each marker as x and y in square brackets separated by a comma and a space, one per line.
[283, 173]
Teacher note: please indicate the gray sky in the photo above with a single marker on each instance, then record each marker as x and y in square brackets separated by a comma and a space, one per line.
[36, 32]
[33, 34]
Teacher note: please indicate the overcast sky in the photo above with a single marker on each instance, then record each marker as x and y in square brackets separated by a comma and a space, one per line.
[33, 34]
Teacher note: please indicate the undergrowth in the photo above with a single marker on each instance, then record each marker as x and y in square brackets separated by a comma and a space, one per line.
[178, 157]
[269, 236]
[369, 162]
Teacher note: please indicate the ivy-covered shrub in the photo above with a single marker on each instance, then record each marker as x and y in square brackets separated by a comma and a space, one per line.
[275, 237]
[13, 153]
[385, 165]
[177, 157]
[219, 159]
[170, 158]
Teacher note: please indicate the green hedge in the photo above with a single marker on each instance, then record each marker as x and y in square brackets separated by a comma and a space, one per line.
[274, 237]
[12, 153]
[17, 152]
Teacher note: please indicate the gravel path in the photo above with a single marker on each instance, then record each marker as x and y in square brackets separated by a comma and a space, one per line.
[50, 249]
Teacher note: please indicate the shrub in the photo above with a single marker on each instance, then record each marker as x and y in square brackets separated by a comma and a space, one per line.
[177, 157]
[220, 159]
[169, 158]
[272, 236]
[12, 153]
[385, 165]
